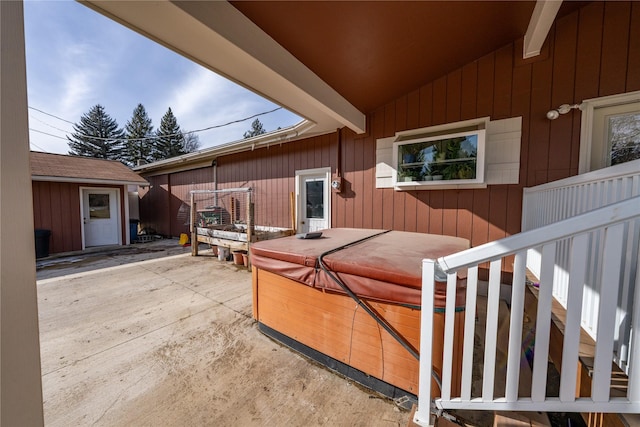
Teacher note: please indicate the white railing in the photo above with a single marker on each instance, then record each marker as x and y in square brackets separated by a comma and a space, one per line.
[610, 223]
[558, 200]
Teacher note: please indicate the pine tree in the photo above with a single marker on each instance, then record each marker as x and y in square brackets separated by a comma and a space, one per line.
[256, 129]
[138, 130]
[96, 135]
[169, 138]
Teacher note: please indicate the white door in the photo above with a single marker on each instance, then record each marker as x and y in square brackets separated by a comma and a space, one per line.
[313, 200]
[100, 217]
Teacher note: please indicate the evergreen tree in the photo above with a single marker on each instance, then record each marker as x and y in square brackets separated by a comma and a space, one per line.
[96, 135]
[138, 130]
[169, 138]
[256, 129]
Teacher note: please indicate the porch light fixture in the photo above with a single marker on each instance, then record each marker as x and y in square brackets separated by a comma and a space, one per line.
[563, 109]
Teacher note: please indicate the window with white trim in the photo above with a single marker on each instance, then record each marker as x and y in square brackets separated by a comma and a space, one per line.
[610, 132]
[467, 154]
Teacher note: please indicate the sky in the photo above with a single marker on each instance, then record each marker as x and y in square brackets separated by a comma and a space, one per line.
[77, 58]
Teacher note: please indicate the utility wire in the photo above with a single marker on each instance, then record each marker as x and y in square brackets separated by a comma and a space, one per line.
[48, 114]
[36, 145]
[50, 134]
[47, 124]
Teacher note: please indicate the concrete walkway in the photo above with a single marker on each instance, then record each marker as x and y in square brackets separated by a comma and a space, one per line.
[171, 342]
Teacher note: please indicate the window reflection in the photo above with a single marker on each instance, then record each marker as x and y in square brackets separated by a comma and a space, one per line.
[624, 138]
[99, 206]
[315, 199]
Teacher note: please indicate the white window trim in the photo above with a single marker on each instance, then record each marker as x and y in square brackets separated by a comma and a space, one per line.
[479, 123]
[502, 152]
[458, 183]
[586, 128]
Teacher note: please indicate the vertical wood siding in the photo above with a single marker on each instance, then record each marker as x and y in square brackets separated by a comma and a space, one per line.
[271, 173]
[592, 52]
[589, 53]
[154, 205]
[56, 207]
[181, 185]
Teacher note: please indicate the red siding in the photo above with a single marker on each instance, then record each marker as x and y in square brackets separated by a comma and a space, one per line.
[56, 207]
[154, 205]
[592, 52]
[502, 85]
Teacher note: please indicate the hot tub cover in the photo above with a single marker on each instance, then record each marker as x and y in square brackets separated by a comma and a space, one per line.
[386, 266]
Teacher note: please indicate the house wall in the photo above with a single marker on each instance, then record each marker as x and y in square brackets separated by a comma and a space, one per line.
[271, 173]
[160, 203]
[592, 52]
[56, 207]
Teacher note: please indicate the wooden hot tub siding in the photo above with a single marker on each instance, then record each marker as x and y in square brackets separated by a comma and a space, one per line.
[333, 324]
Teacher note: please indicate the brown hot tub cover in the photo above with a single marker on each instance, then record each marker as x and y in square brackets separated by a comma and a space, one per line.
[387, 266]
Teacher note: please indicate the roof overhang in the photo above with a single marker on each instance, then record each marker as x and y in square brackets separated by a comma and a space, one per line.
[217, 36]
[86, 180]
[204, 158]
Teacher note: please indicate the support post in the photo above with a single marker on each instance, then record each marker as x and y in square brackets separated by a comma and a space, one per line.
[194, 227]
[292, 205]
[21, 385]
[250, 226]
[423, 414]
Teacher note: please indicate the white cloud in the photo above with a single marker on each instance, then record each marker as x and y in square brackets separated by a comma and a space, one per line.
[204, 99]
[77, 58]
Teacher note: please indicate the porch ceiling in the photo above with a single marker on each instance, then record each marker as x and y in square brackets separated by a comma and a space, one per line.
[330, 61]
[373, 52]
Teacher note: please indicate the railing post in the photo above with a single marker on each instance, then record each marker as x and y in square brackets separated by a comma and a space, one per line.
[634, 355]
[423, 413]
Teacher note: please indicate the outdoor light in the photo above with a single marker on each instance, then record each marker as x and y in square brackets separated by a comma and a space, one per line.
[563, 109]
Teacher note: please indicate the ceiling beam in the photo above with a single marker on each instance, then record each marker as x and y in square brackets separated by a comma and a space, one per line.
[541, 20]
[217, 36]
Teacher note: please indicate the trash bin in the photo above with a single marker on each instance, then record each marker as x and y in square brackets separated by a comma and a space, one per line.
[42, 243]
[133, 230]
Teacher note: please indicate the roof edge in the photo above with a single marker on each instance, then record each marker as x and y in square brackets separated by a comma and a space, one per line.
[287, 134]
[142, 182]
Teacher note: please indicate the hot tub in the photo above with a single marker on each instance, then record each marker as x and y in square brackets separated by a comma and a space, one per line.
[316, 310]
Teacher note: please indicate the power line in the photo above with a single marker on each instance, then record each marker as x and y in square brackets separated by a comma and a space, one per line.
[36, 145]
[47, 124]
[236, 121]
[50, 134]
[49, 114]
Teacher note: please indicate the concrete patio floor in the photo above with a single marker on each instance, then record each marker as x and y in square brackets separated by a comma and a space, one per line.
[170, 342]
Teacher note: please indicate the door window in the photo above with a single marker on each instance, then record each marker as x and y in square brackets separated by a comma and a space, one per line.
[315, 198]
[99, 206]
